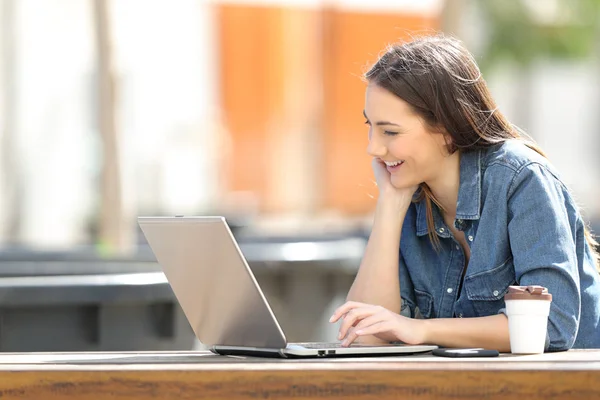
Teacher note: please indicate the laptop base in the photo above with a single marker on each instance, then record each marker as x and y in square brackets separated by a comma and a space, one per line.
[298, 351]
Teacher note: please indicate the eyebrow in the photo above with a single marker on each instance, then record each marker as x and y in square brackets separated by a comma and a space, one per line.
[379, 123]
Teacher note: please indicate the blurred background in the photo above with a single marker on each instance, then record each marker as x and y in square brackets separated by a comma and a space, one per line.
[249, 109]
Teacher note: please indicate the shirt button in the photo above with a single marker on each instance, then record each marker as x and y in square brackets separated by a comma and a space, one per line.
[470, 238]
[441, 230]
[460, 315]
[457, 248]
[496, 293]
[449, 290]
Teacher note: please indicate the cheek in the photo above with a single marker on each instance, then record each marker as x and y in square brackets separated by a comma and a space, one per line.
[406, 148]
[399, 147]
[430, 150]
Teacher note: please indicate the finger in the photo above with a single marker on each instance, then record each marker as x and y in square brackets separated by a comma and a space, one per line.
[362, 325]
[376, 328]
[373, 329]
[378, 165]
[353, 317]
[344, 308]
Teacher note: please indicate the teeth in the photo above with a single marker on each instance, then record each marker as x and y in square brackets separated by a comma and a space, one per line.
[393, 164]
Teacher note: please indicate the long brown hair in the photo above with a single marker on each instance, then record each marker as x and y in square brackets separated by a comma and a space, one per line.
[439, 78]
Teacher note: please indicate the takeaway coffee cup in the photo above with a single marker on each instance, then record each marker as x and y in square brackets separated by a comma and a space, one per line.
[527, 308]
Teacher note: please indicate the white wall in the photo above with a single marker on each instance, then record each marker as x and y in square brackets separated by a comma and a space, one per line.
[167, 61]
[53, 127]
[167, 115]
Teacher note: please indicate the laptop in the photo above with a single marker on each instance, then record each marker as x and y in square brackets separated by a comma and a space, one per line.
[221, 298]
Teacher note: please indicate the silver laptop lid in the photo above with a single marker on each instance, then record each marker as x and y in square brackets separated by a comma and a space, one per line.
[212, 281]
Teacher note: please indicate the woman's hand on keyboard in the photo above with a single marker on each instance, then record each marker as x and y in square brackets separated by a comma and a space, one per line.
[360, 319]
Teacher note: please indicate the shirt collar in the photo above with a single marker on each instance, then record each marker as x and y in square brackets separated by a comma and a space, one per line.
[469, 196]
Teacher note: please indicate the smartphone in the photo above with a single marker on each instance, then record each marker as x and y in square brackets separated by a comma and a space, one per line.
[461, 353]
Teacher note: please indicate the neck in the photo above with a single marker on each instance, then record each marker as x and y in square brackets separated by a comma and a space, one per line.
[445, 185]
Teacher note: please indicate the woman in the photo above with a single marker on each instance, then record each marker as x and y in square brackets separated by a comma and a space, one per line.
[466, 208]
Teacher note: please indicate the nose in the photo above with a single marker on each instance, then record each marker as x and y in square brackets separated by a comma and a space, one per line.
[375, 148]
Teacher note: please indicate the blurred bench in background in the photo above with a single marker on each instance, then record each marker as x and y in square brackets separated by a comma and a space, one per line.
[79, 301]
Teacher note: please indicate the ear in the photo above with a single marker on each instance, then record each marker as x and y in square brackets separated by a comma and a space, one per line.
[449, 142]
[445, 140]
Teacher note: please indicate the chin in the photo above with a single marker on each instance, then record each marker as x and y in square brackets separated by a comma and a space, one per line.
[402, 184]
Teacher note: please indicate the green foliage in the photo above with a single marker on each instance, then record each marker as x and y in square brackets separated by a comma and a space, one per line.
[523, 31]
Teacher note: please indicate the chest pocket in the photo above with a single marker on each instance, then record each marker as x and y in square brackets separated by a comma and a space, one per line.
[424, 304]
[486, 289]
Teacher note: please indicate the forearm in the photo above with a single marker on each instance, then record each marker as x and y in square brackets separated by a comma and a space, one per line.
[487, 332]
[377, 281]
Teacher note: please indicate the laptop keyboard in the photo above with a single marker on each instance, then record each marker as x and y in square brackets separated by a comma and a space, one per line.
[319, 345]
[335, 345]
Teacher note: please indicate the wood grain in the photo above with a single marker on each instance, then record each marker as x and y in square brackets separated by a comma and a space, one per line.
[299, 383]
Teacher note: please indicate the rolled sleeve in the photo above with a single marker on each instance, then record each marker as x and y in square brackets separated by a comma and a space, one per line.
[543, 245]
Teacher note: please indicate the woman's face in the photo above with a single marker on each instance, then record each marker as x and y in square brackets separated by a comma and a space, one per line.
[398, 135]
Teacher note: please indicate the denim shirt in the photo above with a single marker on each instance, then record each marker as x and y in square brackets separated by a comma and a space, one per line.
[523, 228]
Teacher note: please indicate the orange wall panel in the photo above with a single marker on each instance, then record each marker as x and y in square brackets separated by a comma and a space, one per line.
[258, 48]
[355, 40]
[250, 78]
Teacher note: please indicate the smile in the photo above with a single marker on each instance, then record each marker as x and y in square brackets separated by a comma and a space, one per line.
[393, 163]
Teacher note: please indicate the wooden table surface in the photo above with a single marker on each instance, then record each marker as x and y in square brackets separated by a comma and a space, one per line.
[197, 375]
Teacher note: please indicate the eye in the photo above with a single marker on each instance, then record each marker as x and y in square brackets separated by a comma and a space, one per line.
[390, 133]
